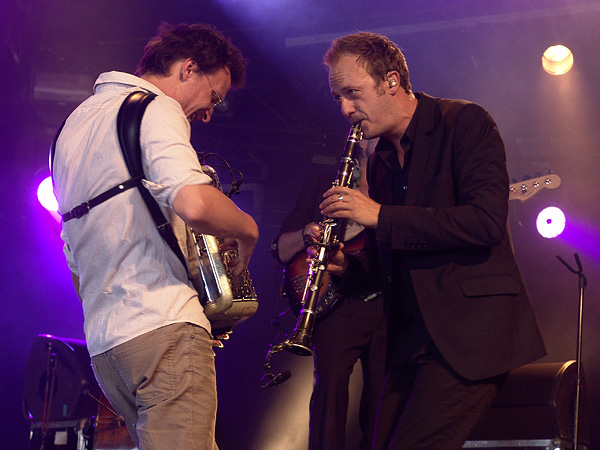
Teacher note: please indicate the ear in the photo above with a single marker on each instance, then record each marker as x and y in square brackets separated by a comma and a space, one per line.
[187, 68]
[392, 78]
[207, 115]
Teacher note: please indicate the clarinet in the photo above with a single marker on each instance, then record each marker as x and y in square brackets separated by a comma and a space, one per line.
[300, 342]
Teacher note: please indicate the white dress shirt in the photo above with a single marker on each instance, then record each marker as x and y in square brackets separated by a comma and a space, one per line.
[131, 282]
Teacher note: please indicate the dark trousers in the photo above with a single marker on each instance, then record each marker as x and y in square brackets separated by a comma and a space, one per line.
[425, 404]
[353, 330]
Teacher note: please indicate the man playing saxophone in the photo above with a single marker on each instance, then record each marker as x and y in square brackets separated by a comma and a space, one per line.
[457, 311]
[350, 329]
[146, 331]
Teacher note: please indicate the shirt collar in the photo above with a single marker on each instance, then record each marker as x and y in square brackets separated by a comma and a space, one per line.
[411, 130]
[120, 80]
[409, 135]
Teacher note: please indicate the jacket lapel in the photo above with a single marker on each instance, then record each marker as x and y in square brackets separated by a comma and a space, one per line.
[421, 147]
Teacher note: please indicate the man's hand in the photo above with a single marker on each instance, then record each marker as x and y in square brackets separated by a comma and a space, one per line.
[346, 203]
[337, 261]
[230, 246]
[242, 252]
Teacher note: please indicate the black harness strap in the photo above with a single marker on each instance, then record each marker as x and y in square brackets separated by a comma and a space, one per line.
[53, 145]
[128, 130]
[81, 210]
[129, 120]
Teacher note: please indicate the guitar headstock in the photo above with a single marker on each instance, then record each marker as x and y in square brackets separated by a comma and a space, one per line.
[523, 190]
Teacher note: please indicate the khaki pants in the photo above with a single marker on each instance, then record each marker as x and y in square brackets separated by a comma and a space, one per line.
[164, 384]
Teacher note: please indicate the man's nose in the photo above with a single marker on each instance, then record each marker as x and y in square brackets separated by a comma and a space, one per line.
[347, 107]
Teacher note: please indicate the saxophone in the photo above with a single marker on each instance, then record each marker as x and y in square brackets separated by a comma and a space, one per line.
[227, 300]
[300, 342]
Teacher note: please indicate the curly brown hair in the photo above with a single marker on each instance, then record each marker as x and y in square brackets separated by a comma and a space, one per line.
[204, 44]
[378, 53]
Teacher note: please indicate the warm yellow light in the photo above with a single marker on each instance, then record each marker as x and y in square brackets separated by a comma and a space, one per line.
[557, 60]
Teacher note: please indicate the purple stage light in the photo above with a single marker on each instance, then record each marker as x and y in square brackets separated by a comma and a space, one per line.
[46, 196]
[550, 222]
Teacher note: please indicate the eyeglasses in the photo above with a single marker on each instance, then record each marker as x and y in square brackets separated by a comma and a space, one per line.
[219, 100]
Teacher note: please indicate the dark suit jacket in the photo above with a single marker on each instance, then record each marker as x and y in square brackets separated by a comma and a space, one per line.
[452, 236]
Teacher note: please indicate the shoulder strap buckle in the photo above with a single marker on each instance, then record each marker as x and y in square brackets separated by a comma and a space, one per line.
[77, 213]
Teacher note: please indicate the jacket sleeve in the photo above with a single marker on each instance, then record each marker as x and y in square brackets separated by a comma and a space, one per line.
[462, 199]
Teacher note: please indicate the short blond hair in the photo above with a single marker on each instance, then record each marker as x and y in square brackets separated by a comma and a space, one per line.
[378, 54]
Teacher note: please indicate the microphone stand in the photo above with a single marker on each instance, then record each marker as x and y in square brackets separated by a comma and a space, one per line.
[582, 285]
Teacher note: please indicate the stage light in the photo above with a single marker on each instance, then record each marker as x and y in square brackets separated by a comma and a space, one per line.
[550, 222]
[46, 196]
[557, 60]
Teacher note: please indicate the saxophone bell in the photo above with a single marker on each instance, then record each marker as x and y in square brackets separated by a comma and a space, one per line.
[300, 342]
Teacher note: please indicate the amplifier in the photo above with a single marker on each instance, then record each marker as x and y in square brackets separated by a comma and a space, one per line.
[63, 435]
[535, 410]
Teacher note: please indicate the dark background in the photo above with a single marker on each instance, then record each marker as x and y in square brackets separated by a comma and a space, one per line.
[284, 126]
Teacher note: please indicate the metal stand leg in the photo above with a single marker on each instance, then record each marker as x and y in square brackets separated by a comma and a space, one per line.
[582, 285]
